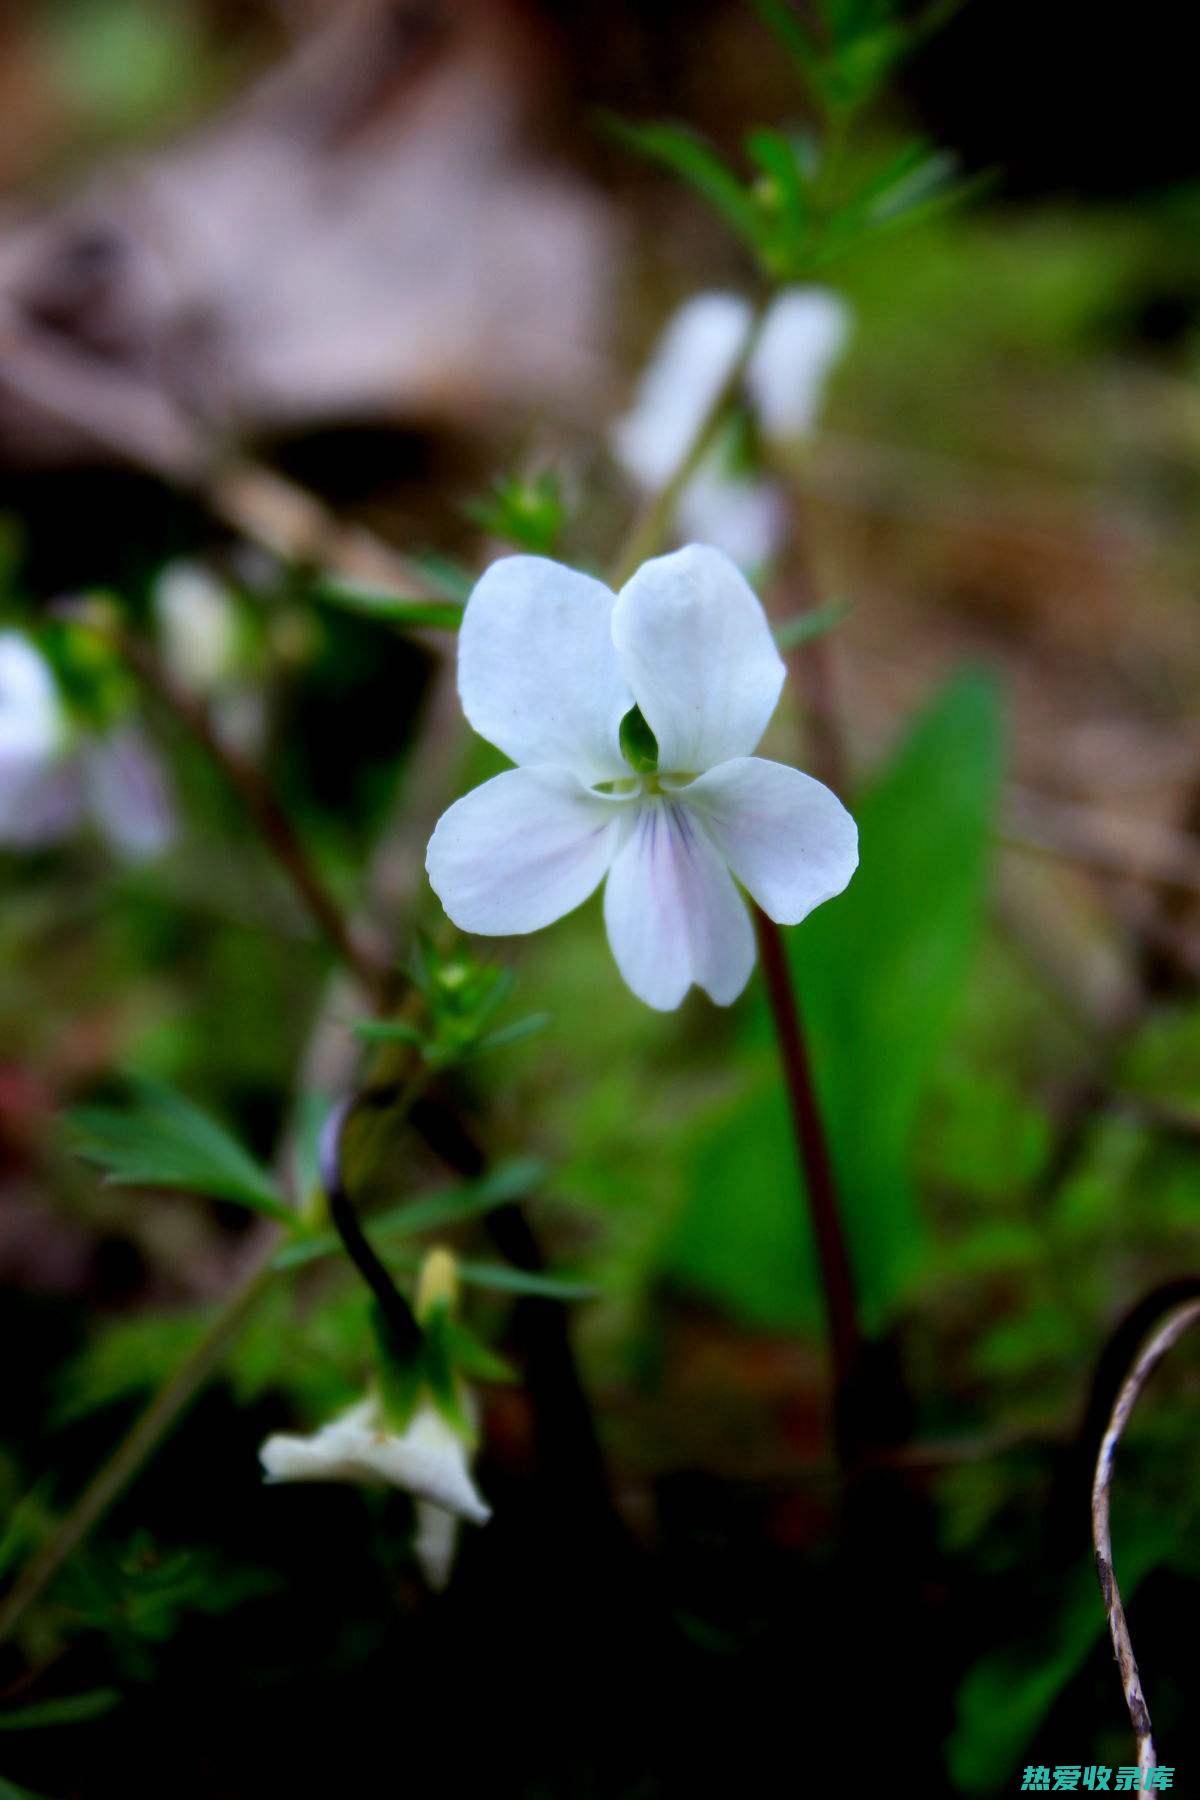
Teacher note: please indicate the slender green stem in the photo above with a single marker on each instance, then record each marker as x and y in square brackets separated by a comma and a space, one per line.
[172, 1399]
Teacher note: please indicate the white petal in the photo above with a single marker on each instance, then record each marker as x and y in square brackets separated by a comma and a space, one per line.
[521, 851]
[673, 915]
[198, 625]
[31, 717]
[744, 517]
[128, 793]
[334, 1453]
[699, 656]
[40, 800]
[787, 838]
[434, 1543]
[429, 1459]
[536, 669]
[802, 337]
[686, 372]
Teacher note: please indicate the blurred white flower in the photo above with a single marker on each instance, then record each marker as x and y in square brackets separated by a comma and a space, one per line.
[429, 1458]
[197, 626]
[801, 338]
[550, 663]
[53, 776]
[35, 802]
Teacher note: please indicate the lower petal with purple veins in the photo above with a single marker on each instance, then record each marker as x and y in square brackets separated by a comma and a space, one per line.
[673, 914]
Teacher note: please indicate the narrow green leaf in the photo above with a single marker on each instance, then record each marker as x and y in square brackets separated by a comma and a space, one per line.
[164, 1141]
[786, 24]
[474, 1358]
[516, 1033]
[878, 971]
[507, 1280]
[390, 609]
[452, 579]
[388, 1031]
[124, 1358]
[687, 155]
[10, 1791]
[74, 1710]
[803, 627]
[778, 158]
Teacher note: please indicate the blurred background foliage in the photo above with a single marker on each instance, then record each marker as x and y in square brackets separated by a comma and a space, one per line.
[1003, 1007]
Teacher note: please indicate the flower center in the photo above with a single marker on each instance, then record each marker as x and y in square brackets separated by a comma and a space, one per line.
[643, 787]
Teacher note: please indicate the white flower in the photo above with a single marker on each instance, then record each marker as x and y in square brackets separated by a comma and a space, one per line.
[33, 805]
[428, 1458]
[197, 624]
[550, 662]
[51, 777]
[803, 334]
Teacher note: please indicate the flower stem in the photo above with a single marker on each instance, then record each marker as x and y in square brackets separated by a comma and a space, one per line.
[176, 1394]
[837, 1277]
[404, 1334]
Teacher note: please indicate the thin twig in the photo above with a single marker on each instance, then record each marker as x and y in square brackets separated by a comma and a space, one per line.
[1148, 1359]
[136, 421]
[272, 822]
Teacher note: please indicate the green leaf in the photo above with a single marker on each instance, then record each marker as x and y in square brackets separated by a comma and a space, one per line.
[452, 579]
[504, 1279]
[125, 1358]
[878, 971]
[388, 1031]
[440, 1212]
[390, 609]
[507, 1280]
[473, 1358]
[787, 25]
[439, 1369]
[803, 627]
[516, 1033]
[72, 1711]
[687, 155]
[527, 512]
[785, 203]
[164, 1141]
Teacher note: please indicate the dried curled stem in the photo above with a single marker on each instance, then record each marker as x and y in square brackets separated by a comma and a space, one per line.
[1151, 1354]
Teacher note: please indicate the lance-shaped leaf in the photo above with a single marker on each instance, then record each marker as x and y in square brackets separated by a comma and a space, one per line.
[164, 1141]
[878, 975]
